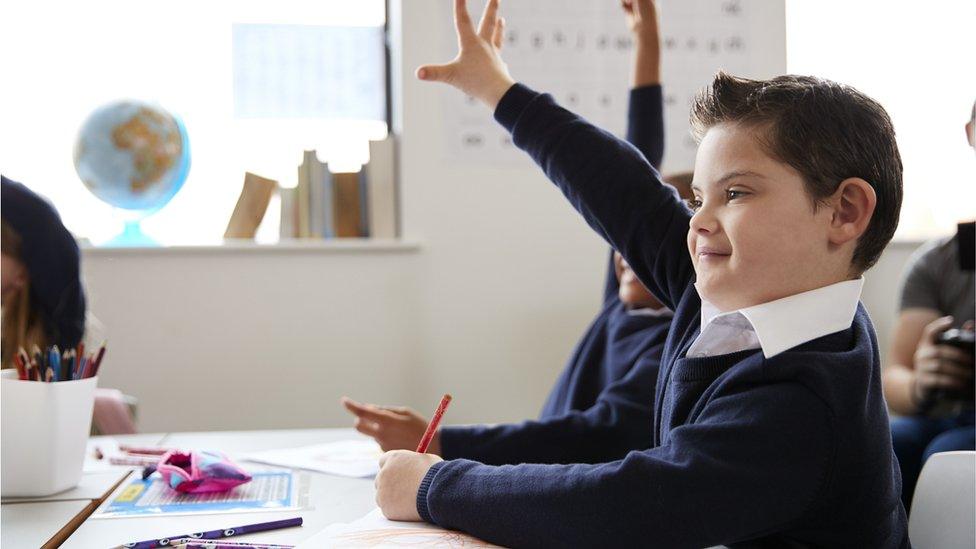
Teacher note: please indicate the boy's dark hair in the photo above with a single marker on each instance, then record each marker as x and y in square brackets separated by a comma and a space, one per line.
[826, 131]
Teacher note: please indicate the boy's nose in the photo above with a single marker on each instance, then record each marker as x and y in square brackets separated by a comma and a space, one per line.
[703, 222]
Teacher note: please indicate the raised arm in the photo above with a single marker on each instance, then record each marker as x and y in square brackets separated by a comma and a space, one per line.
[645, 114]
[645, 109]
[607, 180]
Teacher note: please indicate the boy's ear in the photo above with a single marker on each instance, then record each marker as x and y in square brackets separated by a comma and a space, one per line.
[853, 206]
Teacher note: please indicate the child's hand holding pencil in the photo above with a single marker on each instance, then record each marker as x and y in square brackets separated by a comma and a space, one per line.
[401, 473]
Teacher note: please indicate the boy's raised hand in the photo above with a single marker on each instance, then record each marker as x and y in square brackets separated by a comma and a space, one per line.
[478, 69]
[393, 427]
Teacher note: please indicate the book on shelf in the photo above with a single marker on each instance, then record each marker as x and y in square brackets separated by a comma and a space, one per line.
[288, 227]
[381, 188]
[346, 205]
[251, 206]
[350, 204]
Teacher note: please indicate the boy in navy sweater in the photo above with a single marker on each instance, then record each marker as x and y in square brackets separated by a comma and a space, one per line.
[770, 428]
[601, 406]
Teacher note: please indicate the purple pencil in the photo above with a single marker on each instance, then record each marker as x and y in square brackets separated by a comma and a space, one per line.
[228, 545]
[221, 544]
[214, 534]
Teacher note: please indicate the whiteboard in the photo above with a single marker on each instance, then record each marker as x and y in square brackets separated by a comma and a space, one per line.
[580, 51]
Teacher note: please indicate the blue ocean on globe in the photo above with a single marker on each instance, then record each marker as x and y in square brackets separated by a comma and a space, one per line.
[133, 155]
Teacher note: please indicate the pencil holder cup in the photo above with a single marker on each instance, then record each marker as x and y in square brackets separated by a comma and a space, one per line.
[45, 429]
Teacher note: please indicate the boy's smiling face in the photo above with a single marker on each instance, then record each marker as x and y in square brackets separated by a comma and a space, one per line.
[756, 236]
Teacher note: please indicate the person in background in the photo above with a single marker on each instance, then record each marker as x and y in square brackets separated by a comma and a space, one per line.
[43, 300]
[601, 406]
[929, 381]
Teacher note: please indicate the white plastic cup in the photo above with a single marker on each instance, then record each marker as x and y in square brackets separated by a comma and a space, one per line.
[45, 429]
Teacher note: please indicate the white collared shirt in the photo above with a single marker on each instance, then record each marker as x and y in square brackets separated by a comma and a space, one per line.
[778, 325]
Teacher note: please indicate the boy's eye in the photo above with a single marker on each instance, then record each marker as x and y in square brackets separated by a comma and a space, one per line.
[732, 194]
[694, 204]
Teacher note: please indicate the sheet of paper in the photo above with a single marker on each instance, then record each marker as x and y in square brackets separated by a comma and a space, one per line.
[269, 490]
[347, 458]
[374, 530]
[581, 53]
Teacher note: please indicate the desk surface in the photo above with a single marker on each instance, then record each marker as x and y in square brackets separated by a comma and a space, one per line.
[33, 524]
[97, 479]
[333, 498]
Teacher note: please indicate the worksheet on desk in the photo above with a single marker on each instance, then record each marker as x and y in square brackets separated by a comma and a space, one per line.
[345, 458]
[269, 490]
[375, 530]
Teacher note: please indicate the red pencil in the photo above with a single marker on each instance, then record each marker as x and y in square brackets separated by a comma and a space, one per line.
[21, 369]
[432, 426]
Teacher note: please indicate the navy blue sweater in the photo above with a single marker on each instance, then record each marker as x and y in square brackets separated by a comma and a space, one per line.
[601, 406]
[747, 451]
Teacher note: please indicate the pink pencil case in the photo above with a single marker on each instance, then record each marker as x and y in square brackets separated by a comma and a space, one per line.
[200, 472]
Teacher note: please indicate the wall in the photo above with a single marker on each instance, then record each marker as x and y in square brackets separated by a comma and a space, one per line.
[503, 280]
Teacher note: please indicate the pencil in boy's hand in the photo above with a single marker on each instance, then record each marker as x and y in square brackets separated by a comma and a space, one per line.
[434, 423]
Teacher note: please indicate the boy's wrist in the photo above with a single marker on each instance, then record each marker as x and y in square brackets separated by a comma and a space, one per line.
[422, 509]
[494, 93]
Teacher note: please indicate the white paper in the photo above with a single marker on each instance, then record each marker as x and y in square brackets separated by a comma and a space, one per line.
[347, 458]
[374, 530]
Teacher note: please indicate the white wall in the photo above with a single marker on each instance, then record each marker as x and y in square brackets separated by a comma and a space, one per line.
[503, 282]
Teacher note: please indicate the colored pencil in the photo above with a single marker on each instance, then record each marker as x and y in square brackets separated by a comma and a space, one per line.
[54, 362]
[137, 461]
[215, 534]
[434, 423]
[21, 369]
[191, 544]
[143, 450]
[97, 361]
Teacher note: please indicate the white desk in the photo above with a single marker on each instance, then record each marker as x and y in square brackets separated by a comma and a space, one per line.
[95, 482]
[36, 521]
[33, 524]
[334, 499]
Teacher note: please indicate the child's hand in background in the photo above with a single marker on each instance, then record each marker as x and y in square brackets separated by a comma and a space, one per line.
[398, 481]
[393, 427]
[642, 22]
[478, 69]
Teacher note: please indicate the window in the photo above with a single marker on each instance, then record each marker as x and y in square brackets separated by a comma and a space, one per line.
[916, 59]
[64, 59]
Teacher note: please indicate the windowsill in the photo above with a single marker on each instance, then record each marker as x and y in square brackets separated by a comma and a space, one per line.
[339, 245]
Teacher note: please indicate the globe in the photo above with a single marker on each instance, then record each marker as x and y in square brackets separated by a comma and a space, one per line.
[135, 156]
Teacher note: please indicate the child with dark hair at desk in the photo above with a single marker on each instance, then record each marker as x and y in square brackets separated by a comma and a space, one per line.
[42, 294]
[601, 405]
[769, 428]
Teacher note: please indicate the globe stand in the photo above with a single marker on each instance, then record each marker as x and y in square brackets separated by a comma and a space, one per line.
[132, 237]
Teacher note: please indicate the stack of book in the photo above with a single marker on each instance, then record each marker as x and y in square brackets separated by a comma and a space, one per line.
[343, 205]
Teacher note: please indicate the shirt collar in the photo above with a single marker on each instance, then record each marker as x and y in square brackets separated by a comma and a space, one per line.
[794, 320]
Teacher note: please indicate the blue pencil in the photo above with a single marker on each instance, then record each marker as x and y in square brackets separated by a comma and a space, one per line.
[54, 359]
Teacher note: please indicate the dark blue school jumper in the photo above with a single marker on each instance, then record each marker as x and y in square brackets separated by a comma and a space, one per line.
[747, 451]
[602, 403]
